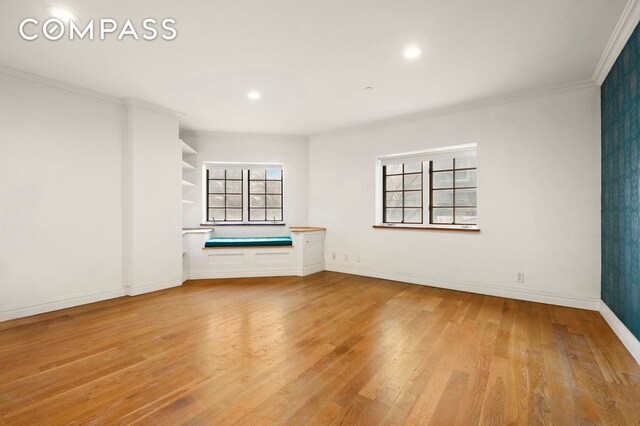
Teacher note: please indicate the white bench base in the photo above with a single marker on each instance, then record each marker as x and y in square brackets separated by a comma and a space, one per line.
[305, 257]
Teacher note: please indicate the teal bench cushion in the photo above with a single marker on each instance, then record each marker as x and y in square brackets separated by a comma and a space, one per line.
[249, 242]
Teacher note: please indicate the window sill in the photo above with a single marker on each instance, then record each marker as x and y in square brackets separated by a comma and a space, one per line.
[244, 224]
[429, 228]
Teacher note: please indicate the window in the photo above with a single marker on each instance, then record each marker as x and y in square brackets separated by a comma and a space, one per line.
[243, 194]
[402, 187]
[224, 195]
[430, 188]
[452, 189]
[265, 195]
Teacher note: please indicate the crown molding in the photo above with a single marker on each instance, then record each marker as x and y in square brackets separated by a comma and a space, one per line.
[49, 82]
[483, 103]
[209, 133]
[622, 32]
[154, 107]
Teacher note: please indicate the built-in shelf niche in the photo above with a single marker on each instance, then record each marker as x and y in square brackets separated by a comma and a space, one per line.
[187, 167]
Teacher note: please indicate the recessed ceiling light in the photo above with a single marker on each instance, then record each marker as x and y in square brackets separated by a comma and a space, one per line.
[62, 14]
[412, 52]
[254, 95]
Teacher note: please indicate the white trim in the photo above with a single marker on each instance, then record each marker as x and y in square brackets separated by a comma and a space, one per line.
[626, 337]
[308, 270]
[195, 133]
[243, 274]
[49, 82]
[446, 152]
[471, 105]
[589, 303]
[153, 107]
[57, 303]
[624, 28]
[234, 165]
[148, 288]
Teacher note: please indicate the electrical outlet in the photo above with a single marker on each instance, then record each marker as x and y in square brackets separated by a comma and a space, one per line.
[333, 255]
[346, 257]
[520, 277]
[357, 258]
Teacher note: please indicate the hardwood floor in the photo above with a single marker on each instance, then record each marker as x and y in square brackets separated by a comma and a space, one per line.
[328, 348]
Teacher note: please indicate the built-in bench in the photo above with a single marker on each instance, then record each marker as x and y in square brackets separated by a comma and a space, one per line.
[226, 242]
[302, 253]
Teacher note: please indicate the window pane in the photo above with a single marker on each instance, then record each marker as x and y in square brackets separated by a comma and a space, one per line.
[234, 187]
[394, 183]
[413, 215]
[256, 201]
[216, 214]
[274, 201]
[466, 162]
[256, 214]
[216, 186]
[443, 180]
[465, 178]
[234, 200]
[274, 214]
[394, 215]
[257, 174]
[234, 214]
[394, 169]
[414, 167]
[443, 164]
[394, 199]
[442, 216]
[466, 197]
[413, 199]
[234, 174]
[274, 187]
[413, 181]
[273, 174]
[466, 216]
[216, 200]
[216, 174]
[443, 198]
[257, 187]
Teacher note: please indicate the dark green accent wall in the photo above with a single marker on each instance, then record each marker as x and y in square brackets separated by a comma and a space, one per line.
[620, 186]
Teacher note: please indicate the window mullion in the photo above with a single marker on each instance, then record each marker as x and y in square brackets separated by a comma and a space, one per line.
[453, 200]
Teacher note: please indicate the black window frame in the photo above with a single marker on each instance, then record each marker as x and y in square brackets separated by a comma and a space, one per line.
[403, 191]
[225, 193]
[265, 194]
[454, 187]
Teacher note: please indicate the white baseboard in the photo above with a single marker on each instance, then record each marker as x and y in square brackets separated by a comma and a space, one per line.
[626, 337]
[54, 304]
[312, 269]
[592, 304]
[148, 288]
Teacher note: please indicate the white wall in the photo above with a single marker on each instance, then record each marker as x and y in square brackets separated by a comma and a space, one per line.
[539, 200]
[90, 196]
[60, 197]
[153, 194]
[290, 151]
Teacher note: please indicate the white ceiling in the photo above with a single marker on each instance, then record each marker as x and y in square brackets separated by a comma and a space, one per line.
[312, 59]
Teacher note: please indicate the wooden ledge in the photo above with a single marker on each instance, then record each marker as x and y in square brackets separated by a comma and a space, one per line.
[244, 224]
[306, 229]
[427, 228]
[196, 230]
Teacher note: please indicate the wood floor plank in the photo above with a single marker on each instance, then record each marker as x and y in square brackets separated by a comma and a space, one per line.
[329, 348]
